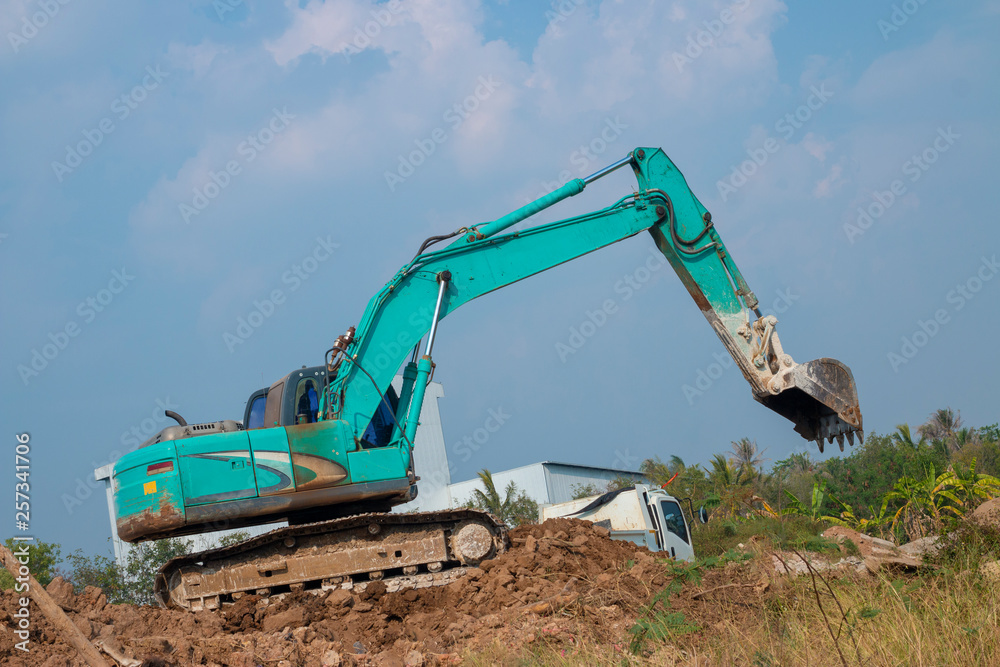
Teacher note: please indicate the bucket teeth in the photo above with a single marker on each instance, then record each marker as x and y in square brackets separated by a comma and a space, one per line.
[821, 399]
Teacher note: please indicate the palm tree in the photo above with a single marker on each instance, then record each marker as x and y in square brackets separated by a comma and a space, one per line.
[722, 474]
[746, 456]
[965, 437]
[732, 488]
[903, 436]
[796, 463]
[944, 424]
[656, 471]
[490, 500]
[514, 508]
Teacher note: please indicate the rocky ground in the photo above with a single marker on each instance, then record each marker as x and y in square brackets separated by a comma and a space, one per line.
[562, 583]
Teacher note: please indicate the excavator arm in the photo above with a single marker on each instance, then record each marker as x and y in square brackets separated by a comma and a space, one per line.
[819, 397]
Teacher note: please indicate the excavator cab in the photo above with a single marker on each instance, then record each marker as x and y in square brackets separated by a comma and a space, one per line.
[305, 386]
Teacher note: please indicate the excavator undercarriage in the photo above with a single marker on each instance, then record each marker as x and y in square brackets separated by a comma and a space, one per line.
[403, 550]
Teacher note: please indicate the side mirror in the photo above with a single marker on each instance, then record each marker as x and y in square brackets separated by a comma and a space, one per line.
[702, 515]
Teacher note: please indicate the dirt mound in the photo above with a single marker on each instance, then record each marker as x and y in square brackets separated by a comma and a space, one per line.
[561, 582]
[987, 515]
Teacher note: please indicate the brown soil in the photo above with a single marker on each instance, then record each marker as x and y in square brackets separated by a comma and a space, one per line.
[562, 583]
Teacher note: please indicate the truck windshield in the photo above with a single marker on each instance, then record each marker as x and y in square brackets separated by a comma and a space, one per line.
[674, 519]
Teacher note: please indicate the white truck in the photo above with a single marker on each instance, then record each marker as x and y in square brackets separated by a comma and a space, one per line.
[649, 517]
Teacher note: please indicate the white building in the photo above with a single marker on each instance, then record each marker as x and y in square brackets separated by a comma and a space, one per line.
[548, 482]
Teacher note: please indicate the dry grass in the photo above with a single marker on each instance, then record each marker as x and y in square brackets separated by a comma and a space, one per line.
[913, 621]
[947, 615]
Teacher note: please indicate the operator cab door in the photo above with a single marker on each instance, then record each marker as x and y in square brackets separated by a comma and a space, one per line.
[216, 468]
[675, 535]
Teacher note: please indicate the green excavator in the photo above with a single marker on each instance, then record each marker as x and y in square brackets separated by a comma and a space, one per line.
[329, 448]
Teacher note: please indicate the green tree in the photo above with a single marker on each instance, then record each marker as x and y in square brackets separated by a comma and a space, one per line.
[233, 538]
[903, 437]
[659, 473]
[796, 463]
[132, 584]
[732, 492]
[42, 560]
[747, 456]
[514, 507]
[584, 490]
[100, 571]
[620, 482]
[943, 426]
[143, 562]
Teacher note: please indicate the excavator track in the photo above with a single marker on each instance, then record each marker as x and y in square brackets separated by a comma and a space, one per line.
[404, 550]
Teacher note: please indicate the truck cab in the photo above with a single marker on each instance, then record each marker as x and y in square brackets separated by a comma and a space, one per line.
[649, 517]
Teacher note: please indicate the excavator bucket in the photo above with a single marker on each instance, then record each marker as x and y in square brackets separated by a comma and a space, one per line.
[821, 399]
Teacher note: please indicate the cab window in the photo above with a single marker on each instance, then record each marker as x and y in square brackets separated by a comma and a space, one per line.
[673, 519]
[256, 419]
[306, 401]
[379, 431]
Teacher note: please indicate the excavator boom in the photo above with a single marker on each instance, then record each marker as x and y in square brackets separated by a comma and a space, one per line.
[819, 397]
[325, 445]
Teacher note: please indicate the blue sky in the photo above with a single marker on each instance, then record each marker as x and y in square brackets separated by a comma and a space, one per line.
[168, 167]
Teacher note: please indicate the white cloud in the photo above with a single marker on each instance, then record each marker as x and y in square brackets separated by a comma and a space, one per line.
[831, 183]
[436, 56]
[816, 146]
[194, 58]
[917, 75]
